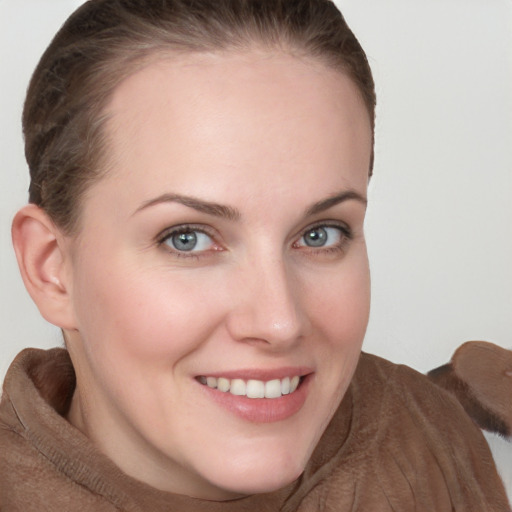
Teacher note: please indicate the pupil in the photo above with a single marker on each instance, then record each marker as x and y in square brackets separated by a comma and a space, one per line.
[184, 241]
[316, 237]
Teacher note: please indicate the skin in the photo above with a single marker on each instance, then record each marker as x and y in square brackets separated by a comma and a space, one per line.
[267, 136]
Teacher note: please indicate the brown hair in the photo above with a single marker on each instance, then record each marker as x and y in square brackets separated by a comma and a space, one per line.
[105, 41]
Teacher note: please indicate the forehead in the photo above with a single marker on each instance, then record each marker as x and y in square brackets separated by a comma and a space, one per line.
[257, 111]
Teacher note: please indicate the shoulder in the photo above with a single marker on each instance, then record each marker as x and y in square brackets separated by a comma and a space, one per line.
[405, 403]
[37, 466]
[424, 441]
[399, 385]
[409, 445]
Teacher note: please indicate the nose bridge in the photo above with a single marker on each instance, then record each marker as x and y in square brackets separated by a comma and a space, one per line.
[268, 306]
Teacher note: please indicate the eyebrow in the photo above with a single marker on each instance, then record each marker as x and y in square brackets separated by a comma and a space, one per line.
[215, 209]
[232, 214]
[325, 204]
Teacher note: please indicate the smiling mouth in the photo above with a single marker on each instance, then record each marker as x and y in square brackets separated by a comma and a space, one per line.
[252, 388]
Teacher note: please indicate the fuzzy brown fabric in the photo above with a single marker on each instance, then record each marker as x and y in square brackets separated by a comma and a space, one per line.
[480, 376]
[397, 443]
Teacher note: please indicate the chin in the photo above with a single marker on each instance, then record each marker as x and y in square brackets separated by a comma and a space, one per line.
[246, 485]
[258, 475]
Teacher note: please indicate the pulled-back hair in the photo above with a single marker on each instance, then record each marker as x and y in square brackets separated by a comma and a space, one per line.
[105, 41]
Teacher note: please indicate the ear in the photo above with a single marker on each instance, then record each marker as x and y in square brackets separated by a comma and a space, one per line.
[41, 253]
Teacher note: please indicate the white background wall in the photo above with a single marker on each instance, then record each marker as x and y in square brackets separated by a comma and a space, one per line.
[439, 224]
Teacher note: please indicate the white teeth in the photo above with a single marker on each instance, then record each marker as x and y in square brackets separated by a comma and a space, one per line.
[273, 389]
[285, 386]
[238, 387]
[211, 382]
[253, 388]
[223, 384]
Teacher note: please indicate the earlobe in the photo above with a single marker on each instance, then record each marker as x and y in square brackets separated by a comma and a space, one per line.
[41, 256]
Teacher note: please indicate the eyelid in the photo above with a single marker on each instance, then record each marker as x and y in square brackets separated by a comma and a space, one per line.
[346, 235]
[183, 228]
[342, 226]
[180, 228]
[345, 229]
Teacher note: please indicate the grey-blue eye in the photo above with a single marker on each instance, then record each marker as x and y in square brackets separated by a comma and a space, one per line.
[322, 236]
[188, 241]
[316, 237]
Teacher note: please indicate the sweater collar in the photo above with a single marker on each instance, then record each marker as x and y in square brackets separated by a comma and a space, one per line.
[37, 391]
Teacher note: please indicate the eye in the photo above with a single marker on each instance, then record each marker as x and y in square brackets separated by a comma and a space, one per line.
[188, 240]
[324, 236]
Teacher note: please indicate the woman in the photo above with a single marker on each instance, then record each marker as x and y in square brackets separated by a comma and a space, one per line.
[198, 189]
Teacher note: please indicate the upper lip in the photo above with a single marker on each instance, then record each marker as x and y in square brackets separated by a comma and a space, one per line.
[263, 374]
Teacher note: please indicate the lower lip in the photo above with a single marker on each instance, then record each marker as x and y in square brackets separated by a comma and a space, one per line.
[262, 410]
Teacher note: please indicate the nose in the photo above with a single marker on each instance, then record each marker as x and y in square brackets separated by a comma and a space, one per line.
[268, 305]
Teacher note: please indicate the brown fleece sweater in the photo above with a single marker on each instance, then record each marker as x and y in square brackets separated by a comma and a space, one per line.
[397, 443]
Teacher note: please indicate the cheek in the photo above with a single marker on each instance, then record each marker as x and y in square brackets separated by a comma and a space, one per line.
[151, 315]
[340, 303]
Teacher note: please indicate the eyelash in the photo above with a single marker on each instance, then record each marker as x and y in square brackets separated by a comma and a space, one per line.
[345, 234]
[183, 229]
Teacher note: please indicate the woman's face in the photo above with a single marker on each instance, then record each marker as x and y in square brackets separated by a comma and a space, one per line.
[224, 249]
